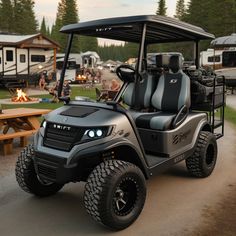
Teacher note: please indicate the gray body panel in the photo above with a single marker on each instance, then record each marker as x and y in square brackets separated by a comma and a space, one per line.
[122, 131]
[176, 141]
[123, 134]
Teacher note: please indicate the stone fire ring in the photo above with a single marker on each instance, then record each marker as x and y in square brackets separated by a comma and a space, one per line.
[10, 102]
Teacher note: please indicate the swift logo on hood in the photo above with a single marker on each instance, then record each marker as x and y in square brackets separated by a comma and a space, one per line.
[61, 127]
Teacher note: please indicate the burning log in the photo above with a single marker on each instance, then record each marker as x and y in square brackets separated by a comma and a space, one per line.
[21, 97]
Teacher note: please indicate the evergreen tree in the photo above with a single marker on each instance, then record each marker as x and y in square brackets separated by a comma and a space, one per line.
[67, 13]
[161, 10]
[48, 31]
[217, 17]
[24, 17]
[70, 16]
[43, 28]
[180, 9]
[88, 43]
[6, 16]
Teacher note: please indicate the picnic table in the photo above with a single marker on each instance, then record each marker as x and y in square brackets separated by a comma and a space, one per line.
[18, 123]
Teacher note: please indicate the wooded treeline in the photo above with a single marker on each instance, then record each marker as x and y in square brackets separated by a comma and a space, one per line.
[217, 17]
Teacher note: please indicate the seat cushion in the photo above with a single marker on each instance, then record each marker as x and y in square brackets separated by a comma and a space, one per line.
[158, 120]
[135, 114]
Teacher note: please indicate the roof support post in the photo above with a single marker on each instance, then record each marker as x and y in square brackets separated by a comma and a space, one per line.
[54, 59]
[139, 66]
[141, 48]
[68, 48]
[196, 52]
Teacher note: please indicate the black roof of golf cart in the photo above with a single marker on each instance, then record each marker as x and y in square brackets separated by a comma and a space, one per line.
[159, 29]
[144, 29]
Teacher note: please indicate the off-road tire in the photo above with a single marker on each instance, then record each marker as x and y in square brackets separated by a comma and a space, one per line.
[27, 177]
[203, 161]
[108, 180]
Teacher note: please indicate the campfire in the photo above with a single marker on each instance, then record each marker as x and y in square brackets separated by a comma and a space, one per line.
[21, 97]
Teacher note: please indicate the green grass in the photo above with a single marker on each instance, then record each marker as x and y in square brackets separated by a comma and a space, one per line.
[4, 94]
[76, 91]
[230, 115]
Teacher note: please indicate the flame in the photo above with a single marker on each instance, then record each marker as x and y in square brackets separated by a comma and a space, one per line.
[21, 96]
[81, 77]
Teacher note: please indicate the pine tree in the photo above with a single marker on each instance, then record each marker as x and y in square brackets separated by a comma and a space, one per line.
[161, 10]
[87, 43]
[43, 28]
[6, 16]
[217, 17]
[24, 17]
[180, 10]
[70, 16]
[67, 13]
[48, 32]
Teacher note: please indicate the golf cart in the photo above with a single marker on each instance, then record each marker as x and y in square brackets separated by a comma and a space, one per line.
[150, 125]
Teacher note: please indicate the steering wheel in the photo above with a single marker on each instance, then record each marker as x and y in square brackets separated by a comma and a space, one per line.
[126, 73]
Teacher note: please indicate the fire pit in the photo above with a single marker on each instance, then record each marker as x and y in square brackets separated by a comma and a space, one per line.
[20, 98]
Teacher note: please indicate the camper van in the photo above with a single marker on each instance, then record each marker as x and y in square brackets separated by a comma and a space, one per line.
[223, 62]
[23, 57]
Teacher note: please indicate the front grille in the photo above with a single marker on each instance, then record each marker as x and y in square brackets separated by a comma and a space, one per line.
[62, 137]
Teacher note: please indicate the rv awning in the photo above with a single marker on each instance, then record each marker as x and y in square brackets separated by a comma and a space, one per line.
[226, 41]
[160, 29]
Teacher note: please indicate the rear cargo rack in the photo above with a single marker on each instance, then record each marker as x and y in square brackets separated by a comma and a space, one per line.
[215, 107]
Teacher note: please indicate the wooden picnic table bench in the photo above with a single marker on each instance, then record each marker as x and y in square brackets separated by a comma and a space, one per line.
[18, 123]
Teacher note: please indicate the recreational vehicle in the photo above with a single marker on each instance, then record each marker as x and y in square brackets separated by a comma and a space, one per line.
[222, 58]
[23, 57]
[73, 65]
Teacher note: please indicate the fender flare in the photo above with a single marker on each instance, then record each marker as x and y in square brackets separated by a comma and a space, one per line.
[139, 160]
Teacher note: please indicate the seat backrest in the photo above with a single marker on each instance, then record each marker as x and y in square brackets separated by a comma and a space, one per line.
[173, 88]
[147, 86]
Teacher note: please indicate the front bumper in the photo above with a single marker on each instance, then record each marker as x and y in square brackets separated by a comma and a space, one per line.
[53, 169]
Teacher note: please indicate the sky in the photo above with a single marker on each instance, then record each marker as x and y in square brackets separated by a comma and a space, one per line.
[97, 9]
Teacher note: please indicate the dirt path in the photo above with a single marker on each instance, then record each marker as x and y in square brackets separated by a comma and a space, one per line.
[176, 204]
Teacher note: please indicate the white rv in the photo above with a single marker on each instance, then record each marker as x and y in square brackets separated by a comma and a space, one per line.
[73, 65]
[23, 57]
[223, 62]
[222, 58]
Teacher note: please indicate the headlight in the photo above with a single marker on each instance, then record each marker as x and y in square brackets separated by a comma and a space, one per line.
[44, 124]
[99, 133]
[91, 134]
[96, 133]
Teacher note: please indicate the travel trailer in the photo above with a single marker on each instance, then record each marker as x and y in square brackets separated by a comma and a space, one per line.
[222, 58]
[73, 65]
[223, 62]
[76, 61]
[23, 57]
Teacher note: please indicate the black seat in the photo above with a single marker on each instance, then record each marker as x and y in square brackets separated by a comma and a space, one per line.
[171, 98]
[147, 87]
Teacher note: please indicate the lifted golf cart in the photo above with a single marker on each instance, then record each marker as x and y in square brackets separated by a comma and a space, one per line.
[115, 149]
